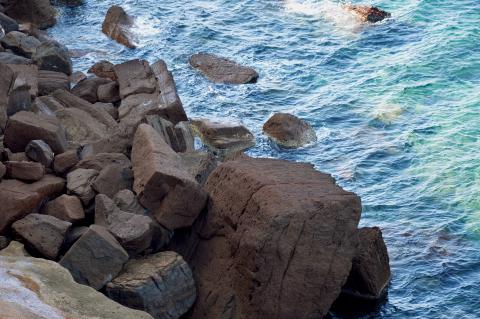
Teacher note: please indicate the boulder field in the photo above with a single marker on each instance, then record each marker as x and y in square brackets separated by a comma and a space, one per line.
[109, 210]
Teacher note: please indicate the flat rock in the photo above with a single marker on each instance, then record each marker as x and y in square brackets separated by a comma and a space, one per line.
[289, 131]
[39, 151]
[368, 13]
[38, 12]
[20, 43]
[161, 182]
[66, 207]
[135, 77]
[43, 232]
[52, 56]
[50, 81]
[222, 70]
[160, 284]
[25, 171]
[79, 183]
[117, 25]
[96, 258]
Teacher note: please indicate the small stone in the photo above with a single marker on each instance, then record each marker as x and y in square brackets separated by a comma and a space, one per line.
[103, 69]
[108, 93]
[66, 207]
[112, 179]
[25, 171]
[39, 151]
[79, 182]
[289, 131]
[62, 163]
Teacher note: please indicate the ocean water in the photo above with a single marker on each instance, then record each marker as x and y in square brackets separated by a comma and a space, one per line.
[396, 107]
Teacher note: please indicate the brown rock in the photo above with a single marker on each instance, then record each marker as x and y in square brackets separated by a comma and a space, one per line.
[3, 170]
[62, 163]
[137, 285]
[10, 58]
[161, 182]
[19, 98]
[20, 43]
[179, 137]
[50, 81]
[44, 233]
[95, 258]
[109, 107]
[368, 13]
[46, 105]
[39, 151]
[79, 182]
[222, 70]
[102, 160]
[103, 69]
[135, 77]
[108, 93]
[112, 179]
[77, 77]
[29, 75]
[25, 171]
[87, 89]
[277, 241]
[6, 82]
[65, 207]
[199, 164]
[24, 127]
[38, 12]
[52, 56]
[117, 26]
[289, 131]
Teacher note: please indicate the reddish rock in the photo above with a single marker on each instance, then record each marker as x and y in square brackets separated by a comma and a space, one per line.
[25, 171]
[179, 137]
[62, 163]
[368, 13]
[112, 179]
[199, 164]
[52, 56]
[77, 77]
[108, 93]
[87, 89]
[20, 43]
[103, 69]
[117, 26]
[135, 77]
[101, 160]
[50, 81]
[38, 12]
[6, 82]
[289, 131]
[66, 207]
[79, 182]
[29, 74]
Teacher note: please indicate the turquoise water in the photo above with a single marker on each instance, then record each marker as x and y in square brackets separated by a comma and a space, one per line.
[396, 107]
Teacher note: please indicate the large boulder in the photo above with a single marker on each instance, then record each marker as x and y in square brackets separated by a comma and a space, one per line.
[27, 73]
[160, 284]
[108, 93]
[25, 170]
[50, 81]
[277, 241]
[24, 127]
[35, 288]
[367, 13]
[222, 70]
[52, 56]
[103, 69]
[117, 25]
[6, 82]
[289, 131]
[112, 179]
[162, 183]
[95, 258]
[20, 199]
[44, 233]
[199, 164]
[20, 43]
[135, 77]
[87, 89]
[180, 137]
[38, 12]
[66, 207]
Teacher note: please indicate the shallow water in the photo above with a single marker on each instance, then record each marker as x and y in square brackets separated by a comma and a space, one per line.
[396, 107]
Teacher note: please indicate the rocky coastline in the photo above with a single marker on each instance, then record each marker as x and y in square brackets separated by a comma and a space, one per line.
[109, 210]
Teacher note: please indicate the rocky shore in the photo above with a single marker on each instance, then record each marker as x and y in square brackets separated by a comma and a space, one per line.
[109, 211]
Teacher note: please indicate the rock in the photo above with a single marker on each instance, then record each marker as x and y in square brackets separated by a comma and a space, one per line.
[109, 108]
[50, 81]
[370, 272]
[39, 151]
[223, 137]
[95, 258]
[161, 285]
[25, 171]
[135, 77]
[38, 12]
[52, 56]
[117, 25]
[368, 13]
[24, 127]
[4, 242]
[43, 232]
[103, 69]
[112, 179]
[20, 199]
[10, 58]
[199, 164]
[62, 163]
[46, 105]
[79, 182]
[108, 93]
[20, 43]
[29, 75]
[134, 107]
[179, 138]
[3, 170]
[6, 82]
[277, 242]
[74, 234]
[34, 31]
[289, 131]
[222, 70]
[66, 207]
[77, 77]
[102, 160]
[162, 184]
[134, 232]
[14, 249]
[34, 288]
[19, 98]
[127, 202]
[87, 89]
[8, 24]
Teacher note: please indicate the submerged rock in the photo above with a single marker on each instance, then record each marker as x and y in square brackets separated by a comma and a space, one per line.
[117, 26]
[289, 131]
[368, 13]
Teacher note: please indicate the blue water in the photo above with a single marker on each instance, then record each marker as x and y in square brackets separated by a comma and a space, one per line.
[396, 107]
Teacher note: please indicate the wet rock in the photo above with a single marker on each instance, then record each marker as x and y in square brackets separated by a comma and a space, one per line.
[138, 286]
[66, 207]
[38, 12]
[8, 24]
[43, 232]
[222, 70]
[289, 131]
[112, 179]
[269, 223]
[52, 56]
[62, 163]
[20, 43]
[28, 74]
[10, 58]
[25, 171]
[370, 272]
[368, 13]
[162, 183]
[103, 69]
[50, 81]
[87, 89]
[19, 199]
[199, 164]
[108, 93]
[117, 25]
[135, 77]
[223, 137]
[39, 151]
[79, 182]
[24, 127]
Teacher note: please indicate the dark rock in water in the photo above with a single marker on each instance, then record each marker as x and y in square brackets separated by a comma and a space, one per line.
[20, 43]
[222, 70]
[79, 182]
[10, 58]
[223, 137]
[277, 241]
[370, 272]
[135, 77]
[103, 69]
[368, 13]
[50, 81]
[113, 179]
[160, 284]
[19, 199]
[38, 12]
[95, 258]
[39, 151]
[87, 89]
[8, 24]
[62, 163]
[161, 182]
[289, 131]
[117, 26]
[43, 232]
[52, 56]
[24, 127]
[25, 171]
[66, 207]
